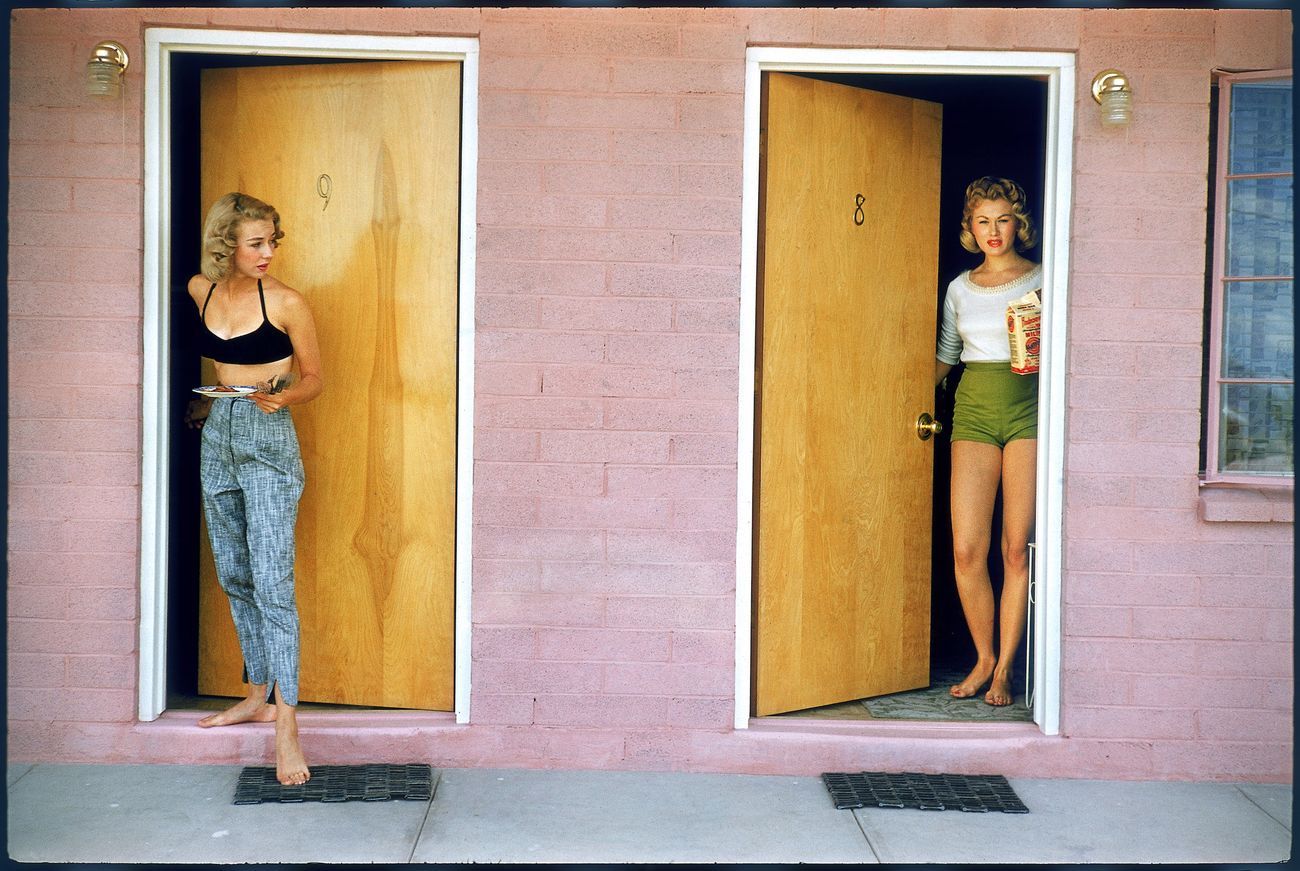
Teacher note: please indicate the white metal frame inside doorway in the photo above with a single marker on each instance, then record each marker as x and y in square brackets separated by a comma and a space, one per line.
[160, 44]
[1057, 69]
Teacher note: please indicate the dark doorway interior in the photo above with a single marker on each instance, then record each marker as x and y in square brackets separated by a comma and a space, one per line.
[992, 125]
[186, 222]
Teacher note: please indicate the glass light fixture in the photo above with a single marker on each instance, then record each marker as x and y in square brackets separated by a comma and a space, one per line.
[1111, 89]
[104, 71]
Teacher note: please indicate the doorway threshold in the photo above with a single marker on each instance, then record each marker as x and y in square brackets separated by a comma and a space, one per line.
[902, 729]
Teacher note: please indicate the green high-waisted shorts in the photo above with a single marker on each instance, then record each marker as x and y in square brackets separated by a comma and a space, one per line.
[995, 405]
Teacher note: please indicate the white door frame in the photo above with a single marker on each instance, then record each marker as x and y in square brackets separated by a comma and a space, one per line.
[160, 44]
[1057, 68]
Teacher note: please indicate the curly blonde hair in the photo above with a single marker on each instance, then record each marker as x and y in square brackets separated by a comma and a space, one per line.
[993, 188]
[221, 231]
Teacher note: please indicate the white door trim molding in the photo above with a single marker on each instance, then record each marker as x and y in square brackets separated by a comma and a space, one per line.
[1057, 68]
[160, 44]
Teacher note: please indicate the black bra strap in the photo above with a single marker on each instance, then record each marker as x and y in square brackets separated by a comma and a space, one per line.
[204, 315]
[261, 297]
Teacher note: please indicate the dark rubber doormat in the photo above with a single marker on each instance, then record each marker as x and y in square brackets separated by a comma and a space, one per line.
[378, 782]
[973, 793]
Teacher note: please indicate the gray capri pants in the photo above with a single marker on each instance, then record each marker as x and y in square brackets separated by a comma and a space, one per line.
[251, 474]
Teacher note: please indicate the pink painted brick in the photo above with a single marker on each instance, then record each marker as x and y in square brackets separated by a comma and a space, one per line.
[514, 542]
[667, 679]
[510, 109]
[538, 609]
[1189, 557]
[1244, 658]
[576, 279]
[36, 297]
[104, 603]
[583, 747]
[1150, 22]
[1175, 326]
[618, 36]
[1231, 760]
[517, 176]
[678, 612]
[1121, 191]
[1124, 589]
[1098, 490]
[712, 41]
[680, 415]
[72, 570]
[506, 310]
[88, 503]
[679, 146]
[1170, 258]
[1141, 291]
[703, 180]
[1210, 692]
[656, 750]
[707, 316]
[501, 709]
[81, 536]
[38, 124]
[724, 114]
[601, 711]
[84, 401]
[1157, 491]
[104, 126]
[639, 578]
[717, 646]
[1130, 722]
[503, 642]
[715, 383]
[701, 713]
[671, 546]
[609, 112]
[1134, 524]
[573, 74]
[608, 315]
[677, 76]
[606, 380]
[30, 600]
[648, 245]
[604, 513]
[917, 28]
[706, 249]
[1171, 52]
[71, 637]
[504, 445]
[558, 446]
[1121, 458]
[1096, 556]
[604, 178]
[1106, 425]
[1252, 39]
[676, 213]
[537, 677]
[704, 514]
[84, 705]
[679, 282]
[512, 210]
[1131, 655]
[507, 576]
[505, 509]
[539, 412]
[673, 349]
[74, 230]
[79, 160]
[848, 27]
[775, 26]
[1087, 621]
[507, 379]
[36, 669]
[981, 28]
[602, 645]
[102, 672]
[545, 144]
[534, 479]
[1053, 29]
[1227, 624]
[1233, 591]
[1246, 725]
[1109, 689]
[693, 481]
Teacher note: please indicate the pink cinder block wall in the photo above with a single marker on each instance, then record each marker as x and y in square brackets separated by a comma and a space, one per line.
[606, 376]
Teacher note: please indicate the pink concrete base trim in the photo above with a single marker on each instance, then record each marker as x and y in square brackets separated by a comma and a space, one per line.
[353, 738]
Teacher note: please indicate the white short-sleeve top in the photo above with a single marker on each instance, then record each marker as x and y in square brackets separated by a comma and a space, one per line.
[975, 318]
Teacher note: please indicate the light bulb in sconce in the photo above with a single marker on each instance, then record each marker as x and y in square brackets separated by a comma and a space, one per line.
[1112, 90]
[108, 61]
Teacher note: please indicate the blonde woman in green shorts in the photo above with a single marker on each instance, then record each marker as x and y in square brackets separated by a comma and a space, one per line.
[995, 427]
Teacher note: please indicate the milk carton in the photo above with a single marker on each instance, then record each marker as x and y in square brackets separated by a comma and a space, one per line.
[1023, 318]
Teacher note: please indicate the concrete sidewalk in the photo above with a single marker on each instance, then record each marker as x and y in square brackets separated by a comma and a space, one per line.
[183, 813]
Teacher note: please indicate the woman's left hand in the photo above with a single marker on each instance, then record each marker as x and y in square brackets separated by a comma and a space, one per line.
[270, 402]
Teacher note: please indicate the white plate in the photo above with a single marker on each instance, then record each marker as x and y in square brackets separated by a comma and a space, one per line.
[217, 392]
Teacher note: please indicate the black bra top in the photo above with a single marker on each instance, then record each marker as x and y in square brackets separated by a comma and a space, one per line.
[266, 344]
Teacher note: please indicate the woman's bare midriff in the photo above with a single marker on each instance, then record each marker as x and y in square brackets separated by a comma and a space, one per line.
[239, 375]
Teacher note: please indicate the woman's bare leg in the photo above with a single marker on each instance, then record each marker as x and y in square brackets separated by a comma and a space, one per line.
[976, 469]
[290, 766]
[1019, 468]
[253, 708]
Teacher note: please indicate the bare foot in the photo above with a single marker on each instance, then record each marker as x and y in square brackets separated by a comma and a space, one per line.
[290, 766]
[249, 710]
[999, 694]
[978, 676]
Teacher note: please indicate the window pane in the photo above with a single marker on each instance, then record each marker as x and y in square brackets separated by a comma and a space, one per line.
[1255, 434]
[1259, 330]
[1261, 127]
[1259, 227]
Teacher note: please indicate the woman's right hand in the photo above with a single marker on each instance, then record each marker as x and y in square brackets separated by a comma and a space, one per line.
[196, 412]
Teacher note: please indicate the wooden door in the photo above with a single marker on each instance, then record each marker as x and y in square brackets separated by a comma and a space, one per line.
[362, 162]
[848, 259]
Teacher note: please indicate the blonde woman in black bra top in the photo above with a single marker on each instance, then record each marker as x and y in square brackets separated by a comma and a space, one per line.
[257, 331]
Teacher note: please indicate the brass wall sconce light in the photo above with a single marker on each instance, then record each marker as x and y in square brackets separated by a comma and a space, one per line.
[104, 71]
[1112, 90]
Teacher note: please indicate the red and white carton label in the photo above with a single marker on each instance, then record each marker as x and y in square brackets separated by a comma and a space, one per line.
[1023, 320]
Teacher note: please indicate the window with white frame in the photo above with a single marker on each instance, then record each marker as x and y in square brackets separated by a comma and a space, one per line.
[1251, 377]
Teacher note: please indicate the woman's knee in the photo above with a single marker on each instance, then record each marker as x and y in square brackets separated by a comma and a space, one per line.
[1015, 554]
[969, 556]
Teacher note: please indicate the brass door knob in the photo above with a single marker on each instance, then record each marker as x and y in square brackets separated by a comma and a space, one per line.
[927, 426]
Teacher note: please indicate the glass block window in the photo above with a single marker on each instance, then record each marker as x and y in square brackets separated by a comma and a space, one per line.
[1252, 343]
